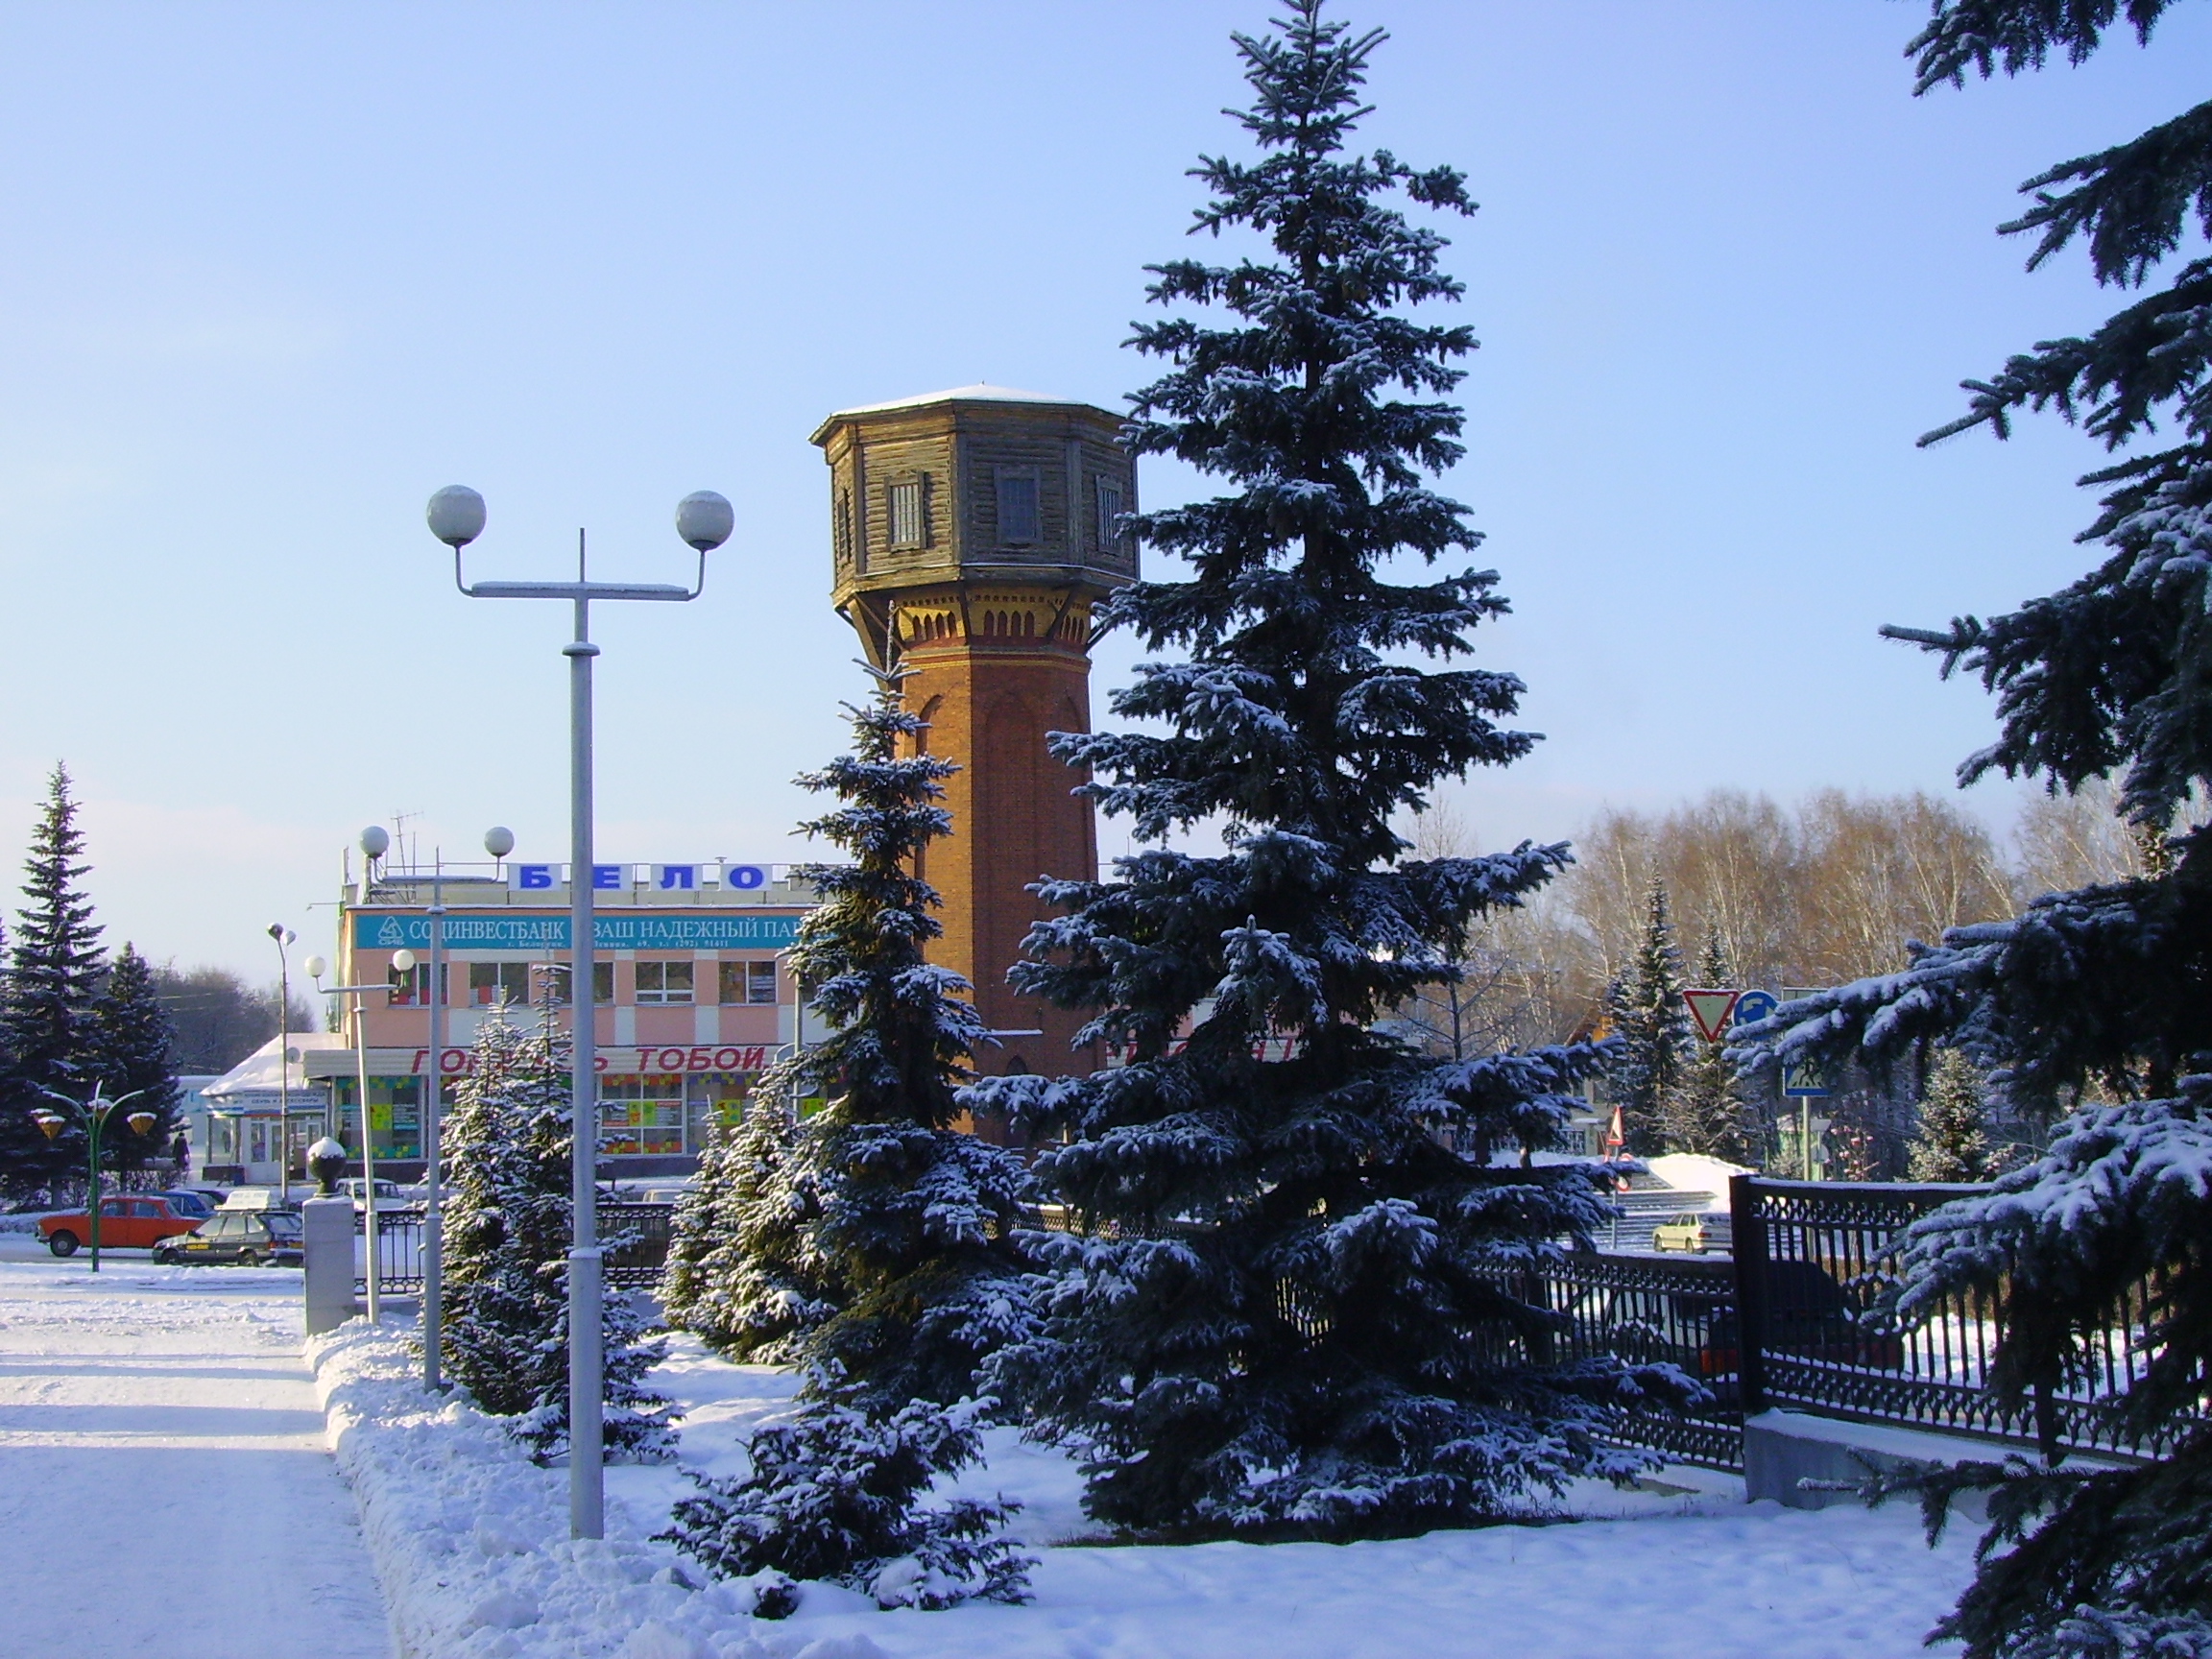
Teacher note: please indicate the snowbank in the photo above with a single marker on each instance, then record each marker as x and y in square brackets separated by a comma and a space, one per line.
[1694, 1173]
[471, 1542]
[470, 1539]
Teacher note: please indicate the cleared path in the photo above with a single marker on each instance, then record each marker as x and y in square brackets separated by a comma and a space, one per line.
[164, 1487]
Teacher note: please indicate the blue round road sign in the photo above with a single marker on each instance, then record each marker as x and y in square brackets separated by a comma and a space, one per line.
[1755, 1006]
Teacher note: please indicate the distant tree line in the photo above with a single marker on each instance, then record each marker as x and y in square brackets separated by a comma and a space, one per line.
[1749, 892]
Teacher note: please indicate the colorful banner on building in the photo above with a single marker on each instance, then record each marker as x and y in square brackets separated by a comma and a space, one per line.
[627, 930]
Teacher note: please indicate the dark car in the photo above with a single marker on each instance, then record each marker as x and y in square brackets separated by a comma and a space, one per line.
[247, 1237]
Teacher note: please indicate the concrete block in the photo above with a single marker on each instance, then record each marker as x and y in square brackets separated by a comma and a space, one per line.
[1783, 1448]
[326, 1226]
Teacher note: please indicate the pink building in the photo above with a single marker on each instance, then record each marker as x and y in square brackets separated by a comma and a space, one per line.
[691, 1001]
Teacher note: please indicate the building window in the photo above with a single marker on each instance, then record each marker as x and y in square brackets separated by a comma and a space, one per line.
[602, 981]
[842, 519]
[640, 1116]
[908, 515]
[748, 982]
[1020, 519]
[663, 982]
[411, 988]
[1111, 504]
[491, 984]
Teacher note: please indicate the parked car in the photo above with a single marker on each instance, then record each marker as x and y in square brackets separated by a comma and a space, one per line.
[247, 1237]
[355, 1188]
[1695, 1231]
[136, 1221]
[189, 1200]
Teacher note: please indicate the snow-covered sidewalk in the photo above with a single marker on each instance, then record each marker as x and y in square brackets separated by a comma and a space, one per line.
[165, 1484]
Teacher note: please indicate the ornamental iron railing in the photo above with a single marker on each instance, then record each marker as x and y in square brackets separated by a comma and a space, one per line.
[636, 1236]
[1814, 1260]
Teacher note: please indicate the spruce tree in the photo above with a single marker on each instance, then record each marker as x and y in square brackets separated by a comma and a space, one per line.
[1705, 1112]
[507, 1234]
[741, 1275]
[872, 1244]
[1952, 1144]
[49, 1005]
[1292, 1314]
[2099, 989]
[1648, 1015]
[902, 1218]
[134, 1037]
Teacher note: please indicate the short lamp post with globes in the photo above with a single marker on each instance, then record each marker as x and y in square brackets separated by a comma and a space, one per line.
[93, 1113]
[704, 520]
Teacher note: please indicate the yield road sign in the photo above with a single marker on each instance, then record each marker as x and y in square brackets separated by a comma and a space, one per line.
[1711, 1010]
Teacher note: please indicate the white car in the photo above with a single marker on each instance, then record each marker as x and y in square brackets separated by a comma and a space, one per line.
[1697, 1232]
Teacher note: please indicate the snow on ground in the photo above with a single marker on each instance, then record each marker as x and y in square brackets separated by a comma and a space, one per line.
[472, 1539]
[165, 1487]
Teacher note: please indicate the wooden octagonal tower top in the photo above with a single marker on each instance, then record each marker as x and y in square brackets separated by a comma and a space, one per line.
[938, 499]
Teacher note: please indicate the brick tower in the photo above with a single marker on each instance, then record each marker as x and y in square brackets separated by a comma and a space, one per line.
[971, 531]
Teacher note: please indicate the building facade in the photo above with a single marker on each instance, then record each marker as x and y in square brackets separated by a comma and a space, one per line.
[691, 1002]
[972, 532]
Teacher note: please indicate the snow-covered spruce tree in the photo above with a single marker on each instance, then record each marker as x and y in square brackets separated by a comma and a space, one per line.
[134, 1036]
[1644, 1004]
[48, 1004]
[1952, 1144]
[507, 1231]
[741, 1272]
[837, 1496]
[2103, 986]
[874, 1245]
[1705, 1112]
[1293, 1312]
[911, 1218]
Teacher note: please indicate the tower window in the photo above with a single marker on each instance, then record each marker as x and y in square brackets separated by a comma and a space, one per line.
[1111, 507]
[1018, 516]
[842, 519]
[909, 522]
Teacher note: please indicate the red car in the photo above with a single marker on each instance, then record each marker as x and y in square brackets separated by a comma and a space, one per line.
[127, 1224]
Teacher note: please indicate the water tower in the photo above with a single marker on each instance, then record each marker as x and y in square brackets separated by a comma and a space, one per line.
[972, 532]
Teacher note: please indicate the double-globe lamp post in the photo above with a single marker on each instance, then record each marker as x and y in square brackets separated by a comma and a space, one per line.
[704, 520]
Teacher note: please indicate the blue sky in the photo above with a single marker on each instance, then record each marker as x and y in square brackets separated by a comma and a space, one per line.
[275, 273]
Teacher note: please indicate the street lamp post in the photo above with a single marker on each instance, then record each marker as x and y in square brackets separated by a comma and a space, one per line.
[704, 520]
[94, 1112]
[283, 936]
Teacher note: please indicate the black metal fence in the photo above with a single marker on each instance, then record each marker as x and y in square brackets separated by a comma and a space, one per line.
[1812, 1258]
[640, 1232]
[1647, 1310]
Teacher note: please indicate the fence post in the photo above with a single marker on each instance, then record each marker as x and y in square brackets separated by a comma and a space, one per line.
[1748, 1229]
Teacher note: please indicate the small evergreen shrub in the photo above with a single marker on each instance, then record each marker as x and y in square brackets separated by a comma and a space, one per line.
[835, 1495]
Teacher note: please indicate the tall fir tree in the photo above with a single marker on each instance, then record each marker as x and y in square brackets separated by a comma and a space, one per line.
[1705, 1112]
[1290, 1315]
[872, 1244]
[907, 1220]
[2103, 986]
[1951, 1143]
[49, 1005]
[507, 1234]
[134, 1039]
[1652, 1022]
